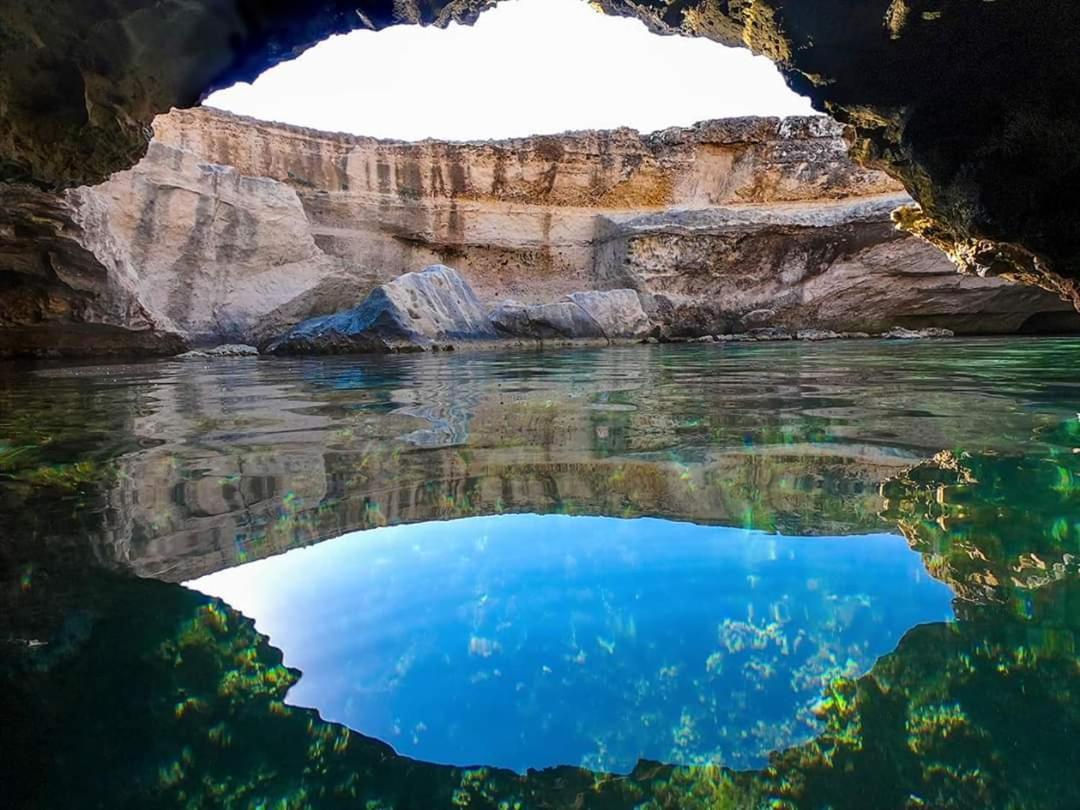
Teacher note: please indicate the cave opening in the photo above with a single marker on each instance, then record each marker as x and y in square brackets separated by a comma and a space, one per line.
[369, 156]
[525, 67]
[664, 458]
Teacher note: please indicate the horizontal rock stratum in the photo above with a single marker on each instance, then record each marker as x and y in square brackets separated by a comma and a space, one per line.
[235, 230]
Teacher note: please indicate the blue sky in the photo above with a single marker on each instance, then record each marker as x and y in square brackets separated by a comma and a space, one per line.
[529, 641]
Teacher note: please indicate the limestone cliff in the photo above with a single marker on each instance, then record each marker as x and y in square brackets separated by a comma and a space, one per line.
[234, 230]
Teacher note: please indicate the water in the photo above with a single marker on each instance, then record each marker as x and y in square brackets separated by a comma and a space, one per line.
[525, 641]
[690, 576]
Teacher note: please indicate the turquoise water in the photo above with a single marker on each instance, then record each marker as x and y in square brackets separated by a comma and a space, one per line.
[830, 575]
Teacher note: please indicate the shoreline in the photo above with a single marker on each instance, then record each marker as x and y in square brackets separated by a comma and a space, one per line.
[15, 365]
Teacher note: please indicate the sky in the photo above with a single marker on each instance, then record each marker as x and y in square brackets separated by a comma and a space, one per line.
[526, 67]
[529, 641]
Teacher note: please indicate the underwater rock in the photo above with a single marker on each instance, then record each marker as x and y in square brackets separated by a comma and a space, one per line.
[227, 350]
[899, 333]
[1021, 544]
[408, 314]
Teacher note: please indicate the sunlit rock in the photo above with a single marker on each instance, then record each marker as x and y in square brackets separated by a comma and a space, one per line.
[612, 314]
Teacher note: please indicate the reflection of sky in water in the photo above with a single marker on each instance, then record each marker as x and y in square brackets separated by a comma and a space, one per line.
[527, 641]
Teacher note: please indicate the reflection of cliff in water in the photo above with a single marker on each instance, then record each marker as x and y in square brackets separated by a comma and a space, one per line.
[248, 465]
[176, 470]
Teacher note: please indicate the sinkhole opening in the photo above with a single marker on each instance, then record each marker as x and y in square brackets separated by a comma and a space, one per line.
[530, 641]
[525, 67]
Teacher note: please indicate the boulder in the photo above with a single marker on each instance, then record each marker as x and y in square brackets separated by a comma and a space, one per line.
[410, 313]
[610, 314]
[757, 318]
[817, 334]
[561, 319]
[618, 312]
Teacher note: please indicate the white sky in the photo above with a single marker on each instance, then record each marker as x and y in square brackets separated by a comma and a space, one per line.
[526, 67]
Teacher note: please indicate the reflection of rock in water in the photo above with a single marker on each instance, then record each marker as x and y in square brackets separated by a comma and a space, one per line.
[449, 425]
[172, 700]
[981, 713]
[199, 470]
[158, 476]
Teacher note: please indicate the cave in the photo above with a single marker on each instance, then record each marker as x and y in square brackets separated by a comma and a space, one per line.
[735, 464]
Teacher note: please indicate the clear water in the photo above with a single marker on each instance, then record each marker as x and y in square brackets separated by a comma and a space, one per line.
[694, 576]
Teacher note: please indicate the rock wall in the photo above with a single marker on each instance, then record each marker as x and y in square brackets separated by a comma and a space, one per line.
[234, 230]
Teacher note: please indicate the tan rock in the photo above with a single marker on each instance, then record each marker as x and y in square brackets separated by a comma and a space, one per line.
[234, 230]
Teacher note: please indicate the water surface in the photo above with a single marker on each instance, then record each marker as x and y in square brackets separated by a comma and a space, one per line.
[404, 546]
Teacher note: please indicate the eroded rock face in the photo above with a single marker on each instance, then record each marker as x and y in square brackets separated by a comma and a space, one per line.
[234, 230]
[973, 105]
[840, 266]
[949, 97]
[62, 290]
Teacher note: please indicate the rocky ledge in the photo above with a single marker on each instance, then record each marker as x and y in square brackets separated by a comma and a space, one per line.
[436, 309]
[234, 231]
